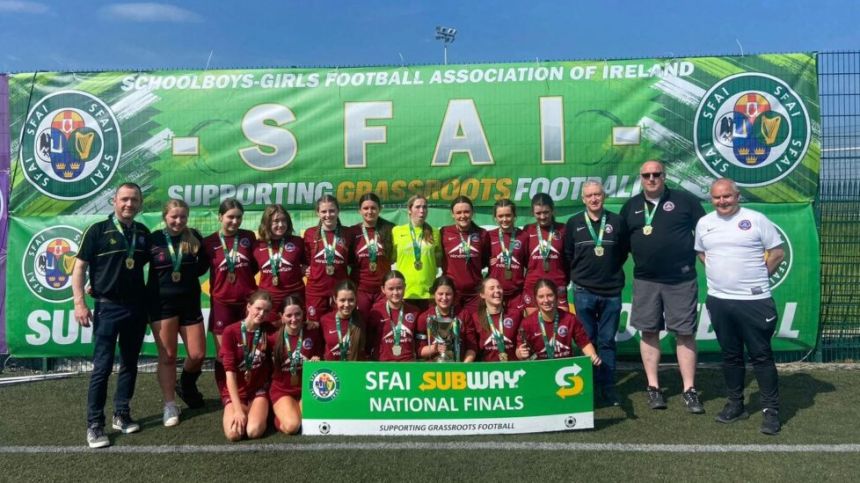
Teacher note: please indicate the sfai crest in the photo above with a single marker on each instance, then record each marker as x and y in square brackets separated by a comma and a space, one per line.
[48, 263]
[752, 128]
[70, 145]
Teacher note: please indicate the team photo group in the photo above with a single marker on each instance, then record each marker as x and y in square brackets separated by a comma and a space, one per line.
[377, 291]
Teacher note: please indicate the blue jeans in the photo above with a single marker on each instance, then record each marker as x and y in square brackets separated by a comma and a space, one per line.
[600, 316]
[114, 322]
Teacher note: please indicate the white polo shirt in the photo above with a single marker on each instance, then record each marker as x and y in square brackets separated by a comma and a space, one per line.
[734, 250]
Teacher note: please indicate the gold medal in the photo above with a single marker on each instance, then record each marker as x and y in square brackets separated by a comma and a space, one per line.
[509, 274]
[647, 230]
[418, 264]
[274, 281]
[598, 251]
[231, 277]
[329, 269]
[396, 350]
[503, 356]
[372, 266]
[129, 263]
[176, 277]
[294, 380]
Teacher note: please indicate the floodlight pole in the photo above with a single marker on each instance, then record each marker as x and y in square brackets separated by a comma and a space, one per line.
[446, 35]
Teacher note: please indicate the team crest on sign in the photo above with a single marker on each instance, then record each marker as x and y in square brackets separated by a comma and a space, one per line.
[752, 128]
[70, 145]
[48, 263]
[324, 385]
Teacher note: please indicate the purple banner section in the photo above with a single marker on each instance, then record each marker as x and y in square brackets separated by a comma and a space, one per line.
[4, 197]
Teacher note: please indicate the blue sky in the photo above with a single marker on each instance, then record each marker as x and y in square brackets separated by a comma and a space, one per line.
[99, 35]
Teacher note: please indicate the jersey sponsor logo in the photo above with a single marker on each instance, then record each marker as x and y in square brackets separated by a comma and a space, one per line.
[744, 225]
[48, 263]
[751, 127]
[324, 385]
[668, 206]
[784, 268]
[70, 145]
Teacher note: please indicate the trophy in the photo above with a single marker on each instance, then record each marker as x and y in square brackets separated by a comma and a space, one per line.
[440, 331]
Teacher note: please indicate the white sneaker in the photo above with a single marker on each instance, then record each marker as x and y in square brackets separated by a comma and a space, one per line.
[96, 437]
[171, 415]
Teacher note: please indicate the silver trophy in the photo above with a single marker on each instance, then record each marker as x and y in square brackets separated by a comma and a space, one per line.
[440, 331]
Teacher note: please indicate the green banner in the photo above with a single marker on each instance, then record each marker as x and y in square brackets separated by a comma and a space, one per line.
[350, 398]
[41, 315]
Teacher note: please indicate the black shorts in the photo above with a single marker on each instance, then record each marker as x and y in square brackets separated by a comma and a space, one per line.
[187, 308]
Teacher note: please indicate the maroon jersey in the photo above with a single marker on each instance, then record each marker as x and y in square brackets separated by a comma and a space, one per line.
[320, 283]
[381, 328]
[220, 288]
[425, 338]
[507, 323]
[330, 336]
[290, 273]
[519, 260]
[557, 267]
[465, 255]
[233, 352]
[365, 279]
[312, 345]
[570, 331]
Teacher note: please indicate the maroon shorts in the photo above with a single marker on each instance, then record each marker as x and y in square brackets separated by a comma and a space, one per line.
[275, 393]
[221, 315]
[317, 306]
[366, 301]
[225, 399]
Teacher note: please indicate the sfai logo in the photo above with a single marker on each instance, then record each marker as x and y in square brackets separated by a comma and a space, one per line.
[752, 128]
[48, 263]
[70, 145]
[784, 267]
[324, 385]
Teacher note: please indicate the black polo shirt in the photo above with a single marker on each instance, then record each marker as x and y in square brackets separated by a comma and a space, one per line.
[667, 254]
[601, 275]
[104, 249]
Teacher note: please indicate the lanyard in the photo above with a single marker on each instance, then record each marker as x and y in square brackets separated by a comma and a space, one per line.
[249, 352]
[598, 238]
[174, 258]
[465, 246]
[395, 328]
[545, 245]
[329, 248]
[649, 215]
[416, 243]
[372, 245]
[456, 328]
[129, 247]
[344, 340]
[549, 344]
[229, 256]
[498, 334]
[506, 251]
[275, 258]
[295, 354]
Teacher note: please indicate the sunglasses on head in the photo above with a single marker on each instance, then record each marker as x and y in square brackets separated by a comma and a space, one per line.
[654, 175]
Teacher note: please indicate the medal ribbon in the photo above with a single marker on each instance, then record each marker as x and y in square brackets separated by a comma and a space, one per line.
[295, 354]
[456, 328]
[649, 215]
[129, 247]
[598, 238]
[275, 258]
[249, 351]
[372, 246]
[549, 344]
[229, 256]
[465, 246]
[416, 243]
[344, 340]
[329, 248]
[543, 245]
[498, 334]
[506, 251]
[174, 258]
[395, 328]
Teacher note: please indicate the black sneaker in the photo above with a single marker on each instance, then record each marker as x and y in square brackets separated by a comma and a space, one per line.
[655, 398]
[732, 411]
[124, 423]
[186, 389]
[770, 424]
[96, 437]
[610, 397]
[691, 400]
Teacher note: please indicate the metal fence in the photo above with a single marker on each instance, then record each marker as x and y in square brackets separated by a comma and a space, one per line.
[837, 212]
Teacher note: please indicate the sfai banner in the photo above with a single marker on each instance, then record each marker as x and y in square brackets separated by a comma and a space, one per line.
[486, 131]
[353, 398]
